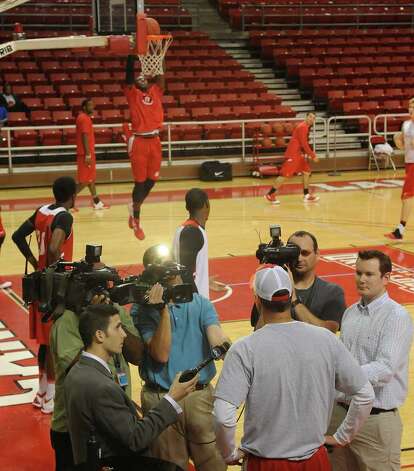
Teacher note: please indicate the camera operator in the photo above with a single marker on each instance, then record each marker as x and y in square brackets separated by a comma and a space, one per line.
[53, 226]
[286, 373]
[65, 345]
[103, 422]
[179, 337]
[314, 300]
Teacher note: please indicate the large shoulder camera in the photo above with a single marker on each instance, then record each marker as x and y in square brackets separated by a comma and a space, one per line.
[72, 285]
[274, 252]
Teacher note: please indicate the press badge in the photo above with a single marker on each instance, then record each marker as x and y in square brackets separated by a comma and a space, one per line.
[122, 378]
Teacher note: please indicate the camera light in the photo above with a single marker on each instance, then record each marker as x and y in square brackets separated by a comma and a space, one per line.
[163, 251]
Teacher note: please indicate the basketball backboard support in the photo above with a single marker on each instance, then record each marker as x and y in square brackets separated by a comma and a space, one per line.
[116, 16]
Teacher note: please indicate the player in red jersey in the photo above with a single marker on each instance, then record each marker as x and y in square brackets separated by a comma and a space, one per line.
[144, 97]
[53, 226]
[296, 161]
[85, 152]
[3, 284]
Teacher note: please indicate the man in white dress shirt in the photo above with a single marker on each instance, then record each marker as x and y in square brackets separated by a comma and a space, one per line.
[378, 332]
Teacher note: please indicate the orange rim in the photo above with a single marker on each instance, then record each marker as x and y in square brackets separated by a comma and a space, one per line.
[158, 37]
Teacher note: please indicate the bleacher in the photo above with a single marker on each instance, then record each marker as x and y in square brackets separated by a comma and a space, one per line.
[203, 83]
[352, 71]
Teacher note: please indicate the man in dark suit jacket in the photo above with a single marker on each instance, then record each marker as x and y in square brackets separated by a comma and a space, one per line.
[97, 406]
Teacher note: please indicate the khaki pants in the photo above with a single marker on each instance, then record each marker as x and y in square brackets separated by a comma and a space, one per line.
[192, 436]
[376, 447]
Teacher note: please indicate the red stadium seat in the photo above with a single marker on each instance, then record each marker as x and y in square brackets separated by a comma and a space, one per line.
[111, 116]
[103, 135]
[36, 79]
[50, 137]
[177, 114]
[102, 102]
[17, 119]
[23, 91]
[69, 90]
[69, 136]
[201, 113]
[34, 103]
[58, 78]
[41, 118]
[44, 90]
[62, 117]
[54, 103]
[81, 77]
[91, 89]
[25, 138]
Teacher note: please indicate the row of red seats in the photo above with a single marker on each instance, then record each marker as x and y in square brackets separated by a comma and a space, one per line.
[187, 132]
[367, 106]
[310, 49]
[251, 18]
[73, 103]
[307, 75]
[200, 113]
[225, 5]
[256, 36]
[57, 137]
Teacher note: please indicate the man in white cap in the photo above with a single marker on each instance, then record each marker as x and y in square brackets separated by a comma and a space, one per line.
[286, 373]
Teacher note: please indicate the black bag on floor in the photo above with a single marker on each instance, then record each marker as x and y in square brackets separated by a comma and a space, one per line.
[215, 171]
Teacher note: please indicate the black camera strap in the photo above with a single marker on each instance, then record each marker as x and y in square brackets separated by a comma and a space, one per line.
[26, 264]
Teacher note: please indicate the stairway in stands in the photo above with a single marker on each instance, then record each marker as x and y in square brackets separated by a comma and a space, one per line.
[206, 18]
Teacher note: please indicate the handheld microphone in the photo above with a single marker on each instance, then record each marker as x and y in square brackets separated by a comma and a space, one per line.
[216, 353]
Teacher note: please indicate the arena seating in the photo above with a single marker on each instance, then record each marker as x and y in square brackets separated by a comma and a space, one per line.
[203, 83]
[248, 15]
[353, 71]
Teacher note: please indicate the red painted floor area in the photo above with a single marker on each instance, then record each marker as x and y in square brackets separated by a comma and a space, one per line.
[155, 196]
[24, 432]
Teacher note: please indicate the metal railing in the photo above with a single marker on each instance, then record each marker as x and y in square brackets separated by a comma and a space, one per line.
[385, 117]
[341, 14]
[324, 134]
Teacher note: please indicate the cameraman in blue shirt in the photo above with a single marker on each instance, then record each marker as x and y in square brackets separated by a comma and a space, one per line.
[179, 337]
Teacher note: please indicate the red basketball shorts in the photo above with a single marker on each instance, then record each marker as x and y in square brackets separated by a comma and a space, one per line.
[408, 188]
[318, 462]
[145, 155]
[294, 165]
[37, 329]
[86, 174]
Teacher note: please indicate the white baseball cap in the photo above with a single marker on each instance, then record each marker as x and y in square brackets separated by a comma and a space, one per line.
[272, 283]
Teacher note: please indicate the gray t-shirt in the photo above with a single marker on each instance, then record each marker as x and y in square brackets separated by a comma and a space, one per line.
[287, 374]
[325, 300]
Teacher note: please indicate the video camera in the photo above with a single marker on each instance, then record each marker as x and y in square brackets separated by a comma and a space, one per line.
[275, 252]
[72, 285]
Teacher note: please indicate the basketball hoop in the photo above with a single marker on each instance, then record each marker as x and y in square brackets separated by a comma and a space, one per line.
[152, 61]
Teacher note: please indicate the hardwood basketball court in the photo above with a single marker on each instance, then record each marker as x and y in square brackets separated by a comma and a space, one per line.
[355, 210]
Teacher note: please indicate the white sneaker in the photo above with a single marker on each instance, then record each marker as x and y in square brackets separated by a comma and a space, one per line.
[38, 400]
[5, 284]
[310, 198]
[100, 205]
[48, 405]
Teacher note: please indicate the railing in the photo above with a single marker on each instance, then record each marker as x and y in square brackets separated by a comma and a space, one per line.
[385, 117]
[305, 14]
[322, 136]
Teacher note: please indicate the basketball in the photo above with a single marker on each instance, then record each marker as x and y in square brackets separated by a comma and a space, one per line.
[267, 142]
[278, 129]
[152, 26]
[266, 129]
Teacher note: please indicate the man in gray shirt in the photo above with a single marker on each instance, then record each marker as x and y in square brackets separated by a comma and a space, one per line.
[378, 332]
[286, 373]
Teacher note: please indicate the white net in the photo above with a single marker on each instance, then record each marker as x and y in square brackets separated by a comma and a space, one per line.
[151, 62]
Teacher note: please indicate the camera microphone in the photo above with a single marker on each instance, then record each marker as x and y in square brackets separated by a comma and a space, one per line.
[216, 352]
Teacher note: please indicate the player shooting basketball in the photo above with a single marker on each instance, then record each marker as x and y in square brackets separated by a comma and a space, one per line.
[144, 96]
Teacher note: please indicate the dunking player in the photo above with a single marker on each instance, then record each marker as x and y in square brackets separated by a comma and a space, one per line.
[85, 152]
[53, 226]
[3, 284]
[404, 140]
[144, 97]
[296, 161]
